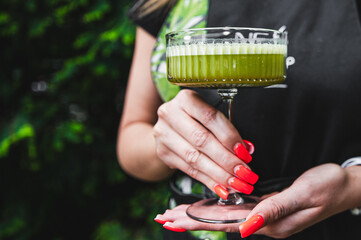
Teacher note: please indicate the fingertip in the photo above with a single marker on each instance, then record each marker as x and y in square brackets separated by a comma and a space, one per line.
[160, 221]
[168, 226]
[251, 225]
[242, 153]
[246, 174]
[221, 191]
[240, 185]
[250, 146]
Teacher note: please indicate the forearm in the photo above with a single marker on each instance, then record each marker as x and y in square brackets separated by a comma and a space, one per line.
[136, 153]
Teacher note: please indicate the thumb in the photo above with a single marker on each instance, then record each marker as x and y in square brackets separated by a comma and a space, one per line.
[268, 211]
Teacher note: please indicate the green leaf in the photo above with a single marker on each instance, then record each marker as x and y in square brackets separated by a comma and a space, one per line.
[4, 17]
[16, 134]
[97, 13]
[38, 27]
[209, 235]
[111, 231]
[10, 227]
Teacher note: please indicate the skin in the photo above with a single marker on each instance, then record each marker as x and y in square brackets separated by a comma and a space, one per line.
[152, 138]
[155, 138]
[317, 194]
[136, 144]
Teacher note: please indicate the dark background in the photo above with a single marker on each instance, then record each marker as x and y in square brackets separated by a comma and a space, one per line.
[63, 71]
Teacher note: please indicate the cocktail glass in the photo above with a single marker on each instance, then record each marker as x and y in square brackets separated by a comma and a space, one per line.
[226, 59]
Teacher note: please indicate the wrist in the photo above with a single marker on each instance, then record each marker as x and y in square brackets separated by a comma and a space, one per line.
[353, 189]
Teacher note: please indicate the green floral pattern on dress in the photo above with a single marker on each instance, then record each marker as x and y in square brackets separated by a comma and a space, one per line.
[186, 14]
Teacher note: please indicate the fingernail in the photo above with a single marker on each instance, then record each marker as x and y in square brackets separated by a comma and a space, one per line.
[174, 229]
[241, 186]
[249, 146]
[251, 225]
[246, 174]
[242, 152]
[221, 191]
[160, 221]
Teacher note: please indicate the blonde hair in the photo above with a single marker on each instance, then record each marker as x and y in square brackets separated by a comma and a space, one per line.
[152, 5]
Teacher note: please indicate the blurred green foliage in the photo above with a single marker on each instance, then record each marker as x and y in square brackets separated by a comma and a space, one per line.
[63, 71]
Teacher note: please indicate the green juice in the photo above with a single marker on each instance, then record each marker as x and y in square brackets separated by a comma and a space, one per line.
[224, 68]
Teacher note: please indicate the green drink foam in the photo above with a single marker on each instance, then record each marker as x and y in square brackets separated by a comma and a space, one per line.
[226, 65]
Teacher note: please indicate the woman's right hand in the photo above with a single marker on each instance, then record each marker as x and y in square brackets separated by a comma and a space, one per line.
[199, 140]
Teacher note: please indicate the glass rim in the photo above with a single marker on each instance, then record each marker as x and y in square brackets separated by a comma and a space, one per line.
[223, 28]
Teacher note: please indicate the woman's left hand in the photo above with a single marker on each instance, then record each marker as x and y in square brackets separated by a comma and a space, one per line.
[316, 195]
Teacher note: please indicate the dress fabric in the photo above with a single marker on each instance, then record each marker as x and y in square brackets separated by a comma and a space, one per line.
[312, 119]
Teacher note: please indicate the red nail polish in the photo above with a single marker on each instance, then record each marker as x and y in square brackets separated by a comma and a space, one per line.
[160, 221]
[251, 225]
[221, 191]
[246, 174]
[242, 152]
[174, 229]
[241, 186]
[249, 146]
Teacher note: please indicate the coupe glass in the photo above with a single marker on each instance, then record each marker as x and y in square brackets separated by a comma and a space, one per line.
[226, 59]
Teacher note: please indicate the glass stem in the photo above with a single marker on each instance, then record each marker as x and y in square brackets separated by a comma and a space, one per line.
[229, 110]
[227, 96]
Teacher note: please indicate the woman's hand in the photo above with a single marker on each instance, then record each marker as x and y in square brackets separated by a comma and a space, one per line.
[199, 140]
[316, 195]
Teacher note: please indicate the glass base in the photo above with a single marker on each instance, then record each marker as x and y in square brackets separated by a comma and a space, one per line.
[218, 211]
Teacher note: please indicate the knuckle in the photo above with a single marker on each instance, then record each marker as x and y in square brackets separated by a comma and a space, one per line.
[161, 152]
[162, 111]
[230, 137]
[192, 157]
[209, 115]
[277, 209]
[183, 98]
[156, 130]
[192, 172]
[200, 137]
[184, 93]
